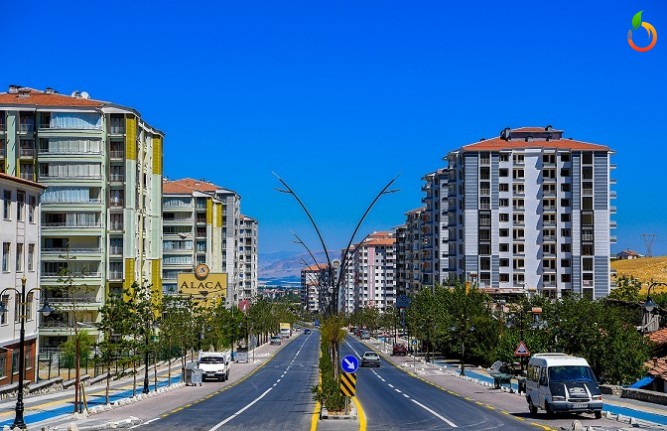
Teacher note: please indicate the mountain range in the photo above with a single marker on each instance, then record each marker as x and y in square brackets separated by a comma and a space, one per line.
[284, 264]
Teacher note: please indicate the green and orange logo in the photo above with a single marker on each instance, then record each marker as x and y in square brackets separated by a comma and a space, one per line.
[652, 34]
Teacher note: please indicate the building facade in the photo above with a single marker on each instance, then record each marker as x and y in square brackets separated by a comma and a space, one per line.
[203, 224]
[19, 238]
[374, 266]
[313, 278]
[528, 211]
[101, 213]
[411, 253]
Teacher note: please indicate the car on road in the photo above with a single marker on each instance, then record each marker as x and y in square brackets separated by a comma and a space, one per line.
[370, 359]
[307, 331]
[399, 349]
[365, 335]
[276, 341]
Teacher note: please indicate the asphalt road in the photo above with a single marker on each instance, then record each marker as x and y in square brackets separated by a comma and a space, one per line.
[277, 397]
[394, 400]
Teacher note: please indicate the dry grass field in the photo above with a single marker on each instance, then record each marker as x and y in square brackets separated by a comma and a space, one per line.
[644, 269]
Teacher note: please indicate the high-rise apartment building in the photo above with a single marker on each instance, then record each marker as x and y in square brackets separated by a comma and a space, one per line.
[101, 212]
[19, 239]
[313, 279]
[528, 211]
[203, 224]
[374, 266]
[248, 235]
[410, 249]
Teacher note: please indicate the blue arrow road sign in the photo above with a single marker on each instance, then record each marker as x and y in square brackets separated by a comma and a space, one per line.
[350, 363]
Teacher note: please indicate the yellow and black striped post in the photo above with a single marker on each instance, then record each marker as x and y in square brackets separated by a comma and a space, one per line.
[348, 384]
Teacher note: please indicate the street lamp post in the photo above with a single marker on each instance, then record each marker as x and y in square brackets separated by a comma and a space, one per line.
[146, 381]
[649, 305]
[19, 422]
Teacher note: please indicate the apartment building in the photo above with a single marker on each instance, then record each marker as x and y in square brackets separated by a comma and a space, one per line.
[19, 237]
[248, 235]
[313, 279]
[374, 266]
[410, 249]
[203, 224]
[101, 213]
[528, 211]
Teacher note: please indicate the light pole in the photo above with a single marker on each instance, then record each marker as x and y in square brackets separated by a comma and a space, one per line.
[649, 305]
[333, 304]
[19, 422]
[146, 381]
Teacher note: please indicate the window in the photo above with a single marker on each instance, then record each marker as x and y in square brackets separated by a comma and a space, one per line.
[518, 248]
[504, 263]
[29, 303]
[19, 257]
[564, 158]
[3, 363]
[587, 158]
[32, 203]
[518, 264]
[566, 187]
[549, 158]
[518, 189]
[519, 279]
[504, 232]
[517, 203]
[566, 278]
[566, 232]
[549, 248]
[503, 202]
[566, 248]
[7, 204]
[518, 159]
[20, 205]
[15, 361]
[565, 217]
[565, 203]
[3, 316]
[564, 172]
[503, 172]
[503, 217]
[565, 263]
[31, 257]
[587, 203]
[504, 247]
[5, 256]
[518, 219]
[517, 174]
[503, 187]
[518, 234]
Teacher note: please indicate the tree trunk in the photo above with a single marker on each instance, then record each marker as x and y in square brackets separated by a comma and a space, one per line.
[77, 375]
[155, 371]
[106, 393]
[134, 376]
[169, 371]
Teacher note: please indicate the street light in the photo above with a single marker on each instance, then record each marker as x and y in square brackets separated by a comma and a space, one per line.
[19, 422]
[649, 305]
[463, 343]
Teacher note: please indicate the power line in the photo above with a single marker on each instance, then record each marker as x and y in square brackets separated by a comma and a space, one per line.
[649, 239]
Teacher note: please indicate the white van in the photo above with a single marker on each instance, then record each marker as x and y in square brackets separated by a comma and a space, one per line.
[557, 382]
[214, 365]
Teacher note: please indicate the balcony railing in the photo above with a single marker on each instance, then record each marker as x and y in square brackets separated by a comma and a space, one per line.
[57, 225]
[115, 275]
[74, 300]
[116, 250]
[26, 127]
[116, 154]
[587, 283]
[117, 130]
[73, 275]
[26, 152]
[74, 176]
[60, 250]
[116, 203]
[67, 152]
[28, 175]
[118, 178]
[115, 227]
[89, 201]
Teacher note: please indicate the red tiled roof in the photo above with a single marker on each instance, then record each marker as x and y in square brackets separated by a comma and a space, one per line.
[659, 337]
[32, 97]
[317, 267]
[187, 186]
[21, 181]
[497, 144]
[658, 367]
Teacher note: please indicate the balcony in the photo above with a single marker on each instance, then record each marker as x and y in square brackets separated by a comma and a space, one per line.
[116, 203]
[26, 127]
[46, 176]
[117, 155]
[26, 152]
[117, 178]
[115, 275]
[63, 225]
[116, 130]
[587, 283]
[116, 250]
[86, 274]
[71, 251]
[178, 221]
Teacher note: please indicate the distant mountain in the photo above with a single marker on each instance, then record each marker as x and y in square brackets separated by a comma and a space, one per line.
[285, 264]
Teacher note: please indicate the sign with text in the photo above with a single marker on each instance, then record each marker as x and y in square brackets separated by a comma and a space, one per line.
[203, 285]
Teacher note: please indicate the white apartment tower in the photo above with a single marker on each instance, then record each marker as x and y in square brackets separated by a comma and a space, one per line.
[374, 263]
[528, 211]
[102, 165]
[248, 235]
[410, 249]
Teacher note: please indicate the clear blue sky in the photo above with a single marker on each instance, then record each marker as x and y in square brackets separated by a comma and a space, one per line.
[338, 97]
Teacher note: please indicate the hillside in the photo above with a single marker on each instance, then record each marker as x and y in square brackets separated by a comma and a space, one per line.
[643, 269]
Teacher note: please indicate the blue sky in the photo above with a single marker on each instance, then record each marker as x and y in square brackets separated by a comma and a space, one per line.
[339, 97]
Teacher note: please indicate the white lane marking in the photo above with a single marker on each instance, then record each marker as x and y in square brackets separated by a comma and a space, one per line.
[278, 381]
[390, 385]
[406, 395]
[355, 352]
[383, 380]
[434, 413]
[398, 390]
[253, 401]
[242, 410]
[145, 423]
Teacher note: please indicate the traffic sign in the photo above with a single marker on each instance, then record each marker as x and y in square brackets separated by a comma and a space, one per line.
[522, 350]
[348, 384]
[414, 341]
[350, 363]
[403, 301]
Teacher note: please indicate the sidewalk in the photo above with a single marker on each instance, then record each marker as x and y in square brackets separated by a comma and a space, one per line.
[54, 412]
[446, 373]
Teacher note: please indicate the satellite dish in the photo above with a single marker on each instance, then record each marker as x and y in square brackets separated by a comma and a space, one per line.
[85, 95]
